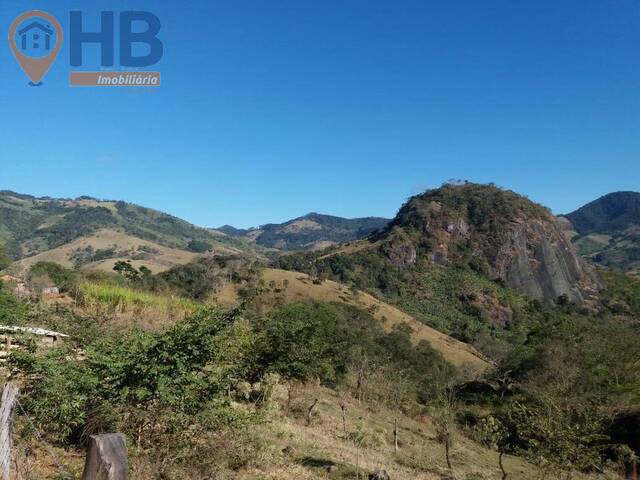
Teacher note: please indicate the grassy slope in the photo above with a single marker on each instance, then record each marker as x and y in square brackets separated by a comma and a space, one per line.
[159, 260]
[420, 456]
[301, 287]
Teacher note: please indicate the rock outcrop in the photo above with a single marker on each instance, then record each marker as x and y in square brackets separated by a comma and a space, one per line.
[497, 232]
[538, 260]
[379, 475]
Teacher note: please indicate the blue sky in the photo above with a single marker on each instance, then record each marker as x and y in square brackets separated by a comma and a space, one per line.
[270, 109]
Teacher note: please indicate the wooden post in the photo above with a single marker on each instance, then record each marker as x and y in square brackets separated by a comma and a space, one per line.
[9, 395]
[395, 435]
[106, 458]
[634, 469]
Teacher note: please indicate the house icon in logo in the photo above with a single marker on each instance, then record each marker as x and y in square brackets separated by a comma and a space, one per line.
[38, 35]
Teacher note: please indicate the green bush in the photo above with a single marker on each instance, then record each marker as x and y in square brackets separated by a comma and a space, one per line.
[64, 278]
[303, 341]
[184, 372]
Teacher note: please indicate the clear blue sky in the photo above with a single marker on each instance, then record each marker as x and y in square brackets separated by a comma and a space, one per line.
[271, 109]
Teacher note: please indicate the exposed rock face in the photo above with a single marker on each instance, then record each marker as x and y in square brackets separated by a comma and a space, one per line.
[401, 251]
[496, 231]
[538, 261]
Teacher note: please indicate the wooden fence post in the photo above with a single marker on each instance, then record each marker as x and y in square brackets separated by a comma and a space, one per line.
[106, 458]
[395, 435]
[9, 395]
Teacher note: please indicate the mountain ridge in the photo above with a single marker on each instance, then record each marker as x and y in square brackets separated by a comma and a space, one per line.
[606, 231]
[308, 232]
[611, 212]
[32, 226]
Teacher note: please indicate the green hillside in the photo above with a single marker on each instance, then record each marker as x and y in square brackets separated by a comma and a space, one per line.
[31, 225]
[611, 213]
[302, 374]
[607, 231]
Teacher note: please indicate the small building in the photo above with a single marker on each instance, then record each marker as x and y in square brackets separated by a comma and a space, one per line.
[51, 291]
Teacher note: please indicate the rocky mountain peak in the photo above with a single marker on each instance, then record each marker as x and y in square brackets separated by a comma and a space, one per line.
[496, 231]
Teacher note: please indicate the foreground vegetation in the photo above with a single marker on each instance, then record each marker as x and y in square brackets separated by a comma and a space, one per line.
[198, 394]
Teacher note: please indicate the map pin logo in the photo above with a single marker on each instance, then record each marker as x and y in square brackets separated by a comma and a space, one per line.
[35, 38]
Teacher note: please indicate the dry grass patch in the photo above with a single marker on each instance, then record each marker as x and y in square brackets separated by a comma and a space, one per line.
[159, 259]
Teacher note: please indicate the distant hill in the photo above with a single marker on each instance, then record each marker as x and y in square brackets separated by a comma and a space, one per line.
[233, 231]
[310, 232]
[91, 232]
[611, 213]
[607, 230]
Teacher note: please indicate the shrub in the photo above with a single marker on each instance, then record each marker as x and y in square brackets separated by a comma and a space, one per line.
[63, 277]
[146, 384]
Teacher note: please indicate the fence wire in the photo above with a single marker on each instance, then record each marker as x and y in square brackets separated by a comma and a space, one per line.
[10, 397]
[63, 470]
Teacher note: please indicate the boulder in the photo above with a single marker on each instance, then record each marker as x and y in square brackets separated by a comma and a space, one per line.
[379, 475]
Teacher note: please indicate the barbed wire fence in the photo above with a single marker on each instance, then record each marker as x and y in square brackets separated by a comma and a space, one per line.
[8, 454]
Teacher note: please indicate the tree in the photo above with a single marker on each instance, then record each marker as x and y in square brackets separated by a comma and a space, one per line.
[145, 272]
[158, 381]
[493, 434]
[400, 389]
[199, 246]
[127, 270]
[444, 420]
[298, 342]
[446, 405]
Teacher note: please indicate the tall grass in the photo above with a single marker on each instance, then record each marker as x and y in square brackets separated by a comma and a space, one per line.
[144, 306]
